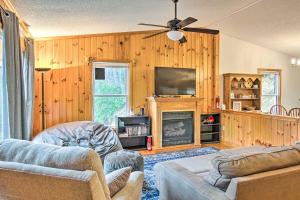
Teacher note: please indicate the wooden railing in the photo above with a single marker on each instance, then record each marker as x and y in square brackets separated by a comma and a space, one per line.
[249, 129]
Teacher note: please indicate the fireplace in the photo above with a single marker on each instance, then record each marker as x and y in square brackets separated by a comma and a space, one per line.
[177, 128]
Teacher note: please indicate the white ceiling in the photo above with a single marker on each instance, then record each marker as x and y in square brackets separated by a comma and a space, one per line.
[271, 23]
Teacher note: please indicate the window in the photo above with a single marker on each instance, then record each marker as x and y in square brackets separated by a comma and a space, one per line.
[111, 82]
[270, 88]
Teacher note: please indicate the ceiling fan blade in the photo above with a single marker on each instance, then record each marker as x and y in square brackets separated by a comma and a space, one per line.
[186, 22]
[161, 26]
[149, 36]
[201, 30]
[183, 40]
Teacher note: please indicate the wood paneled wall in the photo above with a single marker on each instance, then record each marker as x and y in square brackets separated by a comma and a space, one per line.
[249, 129]
[68, 95]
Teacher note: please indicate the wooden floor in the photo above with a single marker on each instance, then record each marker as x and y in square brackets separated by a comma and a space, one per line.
[178, 148]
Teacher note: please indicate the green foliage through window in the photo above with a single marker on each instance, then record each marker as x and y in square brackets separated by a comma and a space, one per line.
[111, 95]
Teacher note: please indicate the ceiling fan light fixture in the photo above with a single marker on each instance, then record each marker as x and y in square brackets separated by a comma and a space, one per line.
[175, 35]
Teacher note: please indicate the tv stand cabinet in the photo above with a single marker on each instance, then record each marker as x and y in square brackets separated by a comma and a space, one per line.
[158, 106]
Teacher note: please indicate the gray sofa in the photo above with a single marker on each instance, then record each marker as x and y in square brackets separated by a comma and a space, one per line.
[31, 171]
[277, 177]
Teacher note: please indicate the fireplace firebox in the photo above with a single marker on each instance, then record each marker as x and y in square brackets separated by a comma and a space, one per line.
[177, 128]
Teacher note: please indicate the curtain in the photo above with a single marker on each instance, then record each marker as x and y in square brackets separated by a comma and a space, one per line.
[28, 85]
[16, 91]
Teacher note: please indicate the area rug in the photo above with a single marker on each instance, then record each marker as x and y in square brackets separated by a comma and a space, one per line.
[150, 191]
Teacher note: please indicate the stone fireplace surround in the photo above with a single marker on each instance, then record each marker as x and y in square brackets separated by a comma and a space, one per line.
[157, 107]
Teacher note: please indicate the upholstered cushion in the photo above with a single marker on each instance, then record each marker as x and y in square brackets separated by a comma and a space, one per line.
[75, 158]
[228, 166]
[116, 180]
[123, 158]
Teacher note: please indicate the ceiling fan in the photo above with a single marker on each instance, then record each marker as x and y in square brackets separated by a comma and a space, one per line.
[175, 28]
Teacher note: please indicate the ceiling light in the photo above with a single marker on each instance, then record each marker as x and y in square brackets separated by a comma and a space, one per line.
[175, 35]
[298, 62]
[294, 61]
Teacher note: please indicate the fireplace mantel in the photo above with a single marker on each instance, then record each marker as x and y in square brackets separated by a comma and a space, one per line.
[173, 99]
[157, 106]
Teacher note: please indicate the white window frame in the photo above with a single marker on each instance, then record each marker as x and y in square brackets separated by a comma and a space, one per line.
[110, 65]
[278, 91]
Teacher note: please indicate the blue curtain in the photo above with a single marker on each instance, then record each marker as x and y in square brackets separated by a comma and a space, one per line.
[16, 90]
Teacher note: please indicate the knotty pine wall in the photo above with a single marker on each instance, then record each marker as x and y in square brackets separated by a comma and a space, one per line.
[68, 86]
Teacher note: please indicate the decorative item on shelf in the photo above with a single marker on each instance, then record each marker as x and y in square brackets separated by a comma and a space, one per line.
[209, 120]
[218, 102]
[235, 84]
[249, 83]
[242, 83]
[43, 70]
[237, 106]
[249, 108]
[240, 96]
[142, 111]
[223, 106]
[232, 95]
[255, 86]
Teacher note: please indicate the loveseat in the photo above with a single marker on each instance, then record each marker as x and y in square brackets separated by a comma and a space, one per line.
[253, 173]
[31, 171]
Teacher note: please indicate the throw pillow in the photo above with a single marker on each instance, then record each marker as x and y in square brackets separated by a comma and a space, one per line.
[227, 167]
[116, 180]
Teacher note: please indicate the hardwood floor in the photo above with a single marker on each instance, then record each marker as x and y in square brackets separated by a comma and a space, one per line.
[179, 148]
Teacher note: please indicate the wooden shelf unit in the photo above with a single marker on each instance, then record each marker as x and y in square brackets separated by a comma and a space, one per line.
[235, 90]
[141, 127]
[210, 132]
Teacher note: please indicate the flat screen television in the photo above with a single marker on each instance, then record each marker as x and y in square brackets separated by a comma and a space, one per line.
[175, 81]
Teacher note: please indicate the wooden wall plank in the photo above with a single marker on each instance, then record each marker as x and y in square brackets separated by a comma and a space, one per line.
[88, 77]
[81, 79]
[48, 83]
[62, 83]
[69, 81]
[55, 83]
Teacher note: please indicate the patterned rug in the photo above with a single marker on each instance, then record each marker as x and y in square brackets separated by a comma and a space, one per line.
[150, 191]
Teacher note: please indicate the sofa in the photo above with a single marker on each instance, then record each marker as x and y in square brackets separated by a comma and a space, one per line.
[86, 134]
[252, 173]
[30, 171]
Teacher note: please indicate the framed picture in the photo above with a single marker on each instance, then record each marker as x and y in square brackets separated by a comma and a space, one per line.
[237, 106]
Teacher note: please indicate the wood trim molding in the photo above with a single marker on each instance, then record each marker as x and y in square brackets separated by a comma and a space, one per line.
[99, 35]
[95, 35]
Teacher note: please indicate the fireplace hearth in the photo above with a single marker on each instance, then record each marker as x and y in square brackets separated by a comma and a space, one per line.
[177, 128]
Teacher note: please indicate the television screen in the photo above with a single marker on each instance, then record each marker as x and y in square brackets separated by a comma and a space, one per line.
[175, 81]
